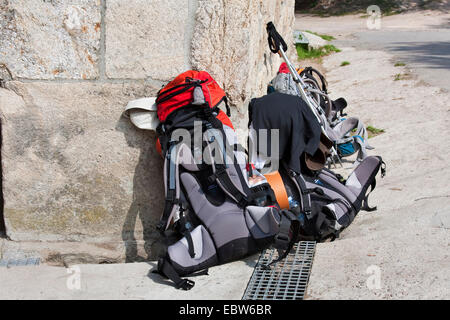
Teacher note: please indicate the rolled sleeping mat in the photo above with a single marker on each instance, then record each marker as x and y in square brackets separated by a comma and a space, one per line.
[286, 192]
[277, 185]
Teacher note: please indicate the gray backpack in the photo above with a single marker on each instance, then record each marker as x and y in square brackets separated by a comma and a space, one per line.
[213, 213]
[217, 229]
[325, 203]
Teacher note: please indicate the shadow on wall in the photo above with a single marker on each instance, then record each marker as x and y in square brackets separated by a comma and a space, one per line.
[2, 219]
[148, 193]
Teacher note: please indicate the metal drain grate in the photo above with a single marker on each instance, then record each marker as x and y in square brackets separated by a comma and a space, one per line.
[285, 280]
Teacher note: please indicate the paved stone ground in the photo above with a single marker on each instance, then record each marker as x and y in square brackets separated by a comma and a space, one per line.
[427, 51]
[405, 244]
[120, 281]
[420, 39]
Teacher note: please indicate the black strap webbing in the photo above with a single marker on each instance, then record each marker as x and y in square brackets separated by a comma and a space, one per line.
[222, 177]
[188, 237]
[171, 199]
[286, 237]
[275, 40]
[304, 193]
[166, 269]
[221, 174]
[182, 227]
[383, 168]
[168, 207]
[172, 92]
[227, 106]
[365, 202]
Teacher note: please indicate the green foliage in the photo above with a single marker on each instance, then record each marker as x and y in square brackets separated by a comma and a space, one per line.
[309, 53]
[372, 131]
[345, 63]
[323, 36]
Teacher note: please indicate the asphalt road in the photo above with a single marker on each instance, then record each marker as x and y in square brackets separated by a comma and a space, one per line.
[426, 51]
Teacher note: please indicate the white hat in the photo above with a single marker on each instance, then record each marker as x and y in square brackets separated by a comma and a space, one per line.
[142, 113]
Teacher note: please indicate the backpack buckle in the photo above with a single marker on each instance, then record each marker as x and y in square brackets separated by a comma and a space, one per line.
[185, 284]
[308, 213]
[161, 226]
[212, 178]
[281, 241]
[242, 203]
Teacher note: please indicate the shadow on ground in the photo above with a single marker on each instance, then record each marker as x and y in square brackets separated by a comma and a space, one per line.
[158, 278]
[434, 55]
[339, 7]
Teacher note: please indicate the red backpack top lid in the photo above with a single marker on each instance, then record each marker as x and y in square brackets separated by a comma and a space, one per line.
[283, 68]
[189, 88]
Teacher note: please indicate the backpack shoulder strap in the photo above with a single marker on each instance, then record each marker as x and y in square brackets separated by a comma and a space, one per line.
[363, 177]
[287, 236]
[222, 166]
[166, 269]
[304, 192]
[171, 181]
[365, 202]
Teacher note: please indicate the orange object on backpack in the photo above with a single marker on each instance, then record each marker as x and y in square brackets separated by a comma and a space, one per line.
[277, 185]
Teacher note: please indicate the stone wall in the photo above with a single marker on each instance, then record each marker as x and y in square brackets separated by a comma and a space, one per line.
[73, 167]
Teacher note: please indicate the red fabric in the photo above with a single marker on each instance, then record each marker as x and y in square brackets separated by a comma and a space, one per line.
[283, 68]
[222, 116]
[158, 146]
[211, 90]
[247, 167]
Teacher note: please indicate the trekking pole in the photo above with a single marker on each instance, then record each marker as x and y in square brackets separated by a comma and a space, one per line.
[278, 45]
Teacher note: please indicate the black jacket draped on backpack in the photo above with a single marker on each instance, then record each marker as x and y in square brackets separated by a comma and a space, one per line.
[299, 130]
